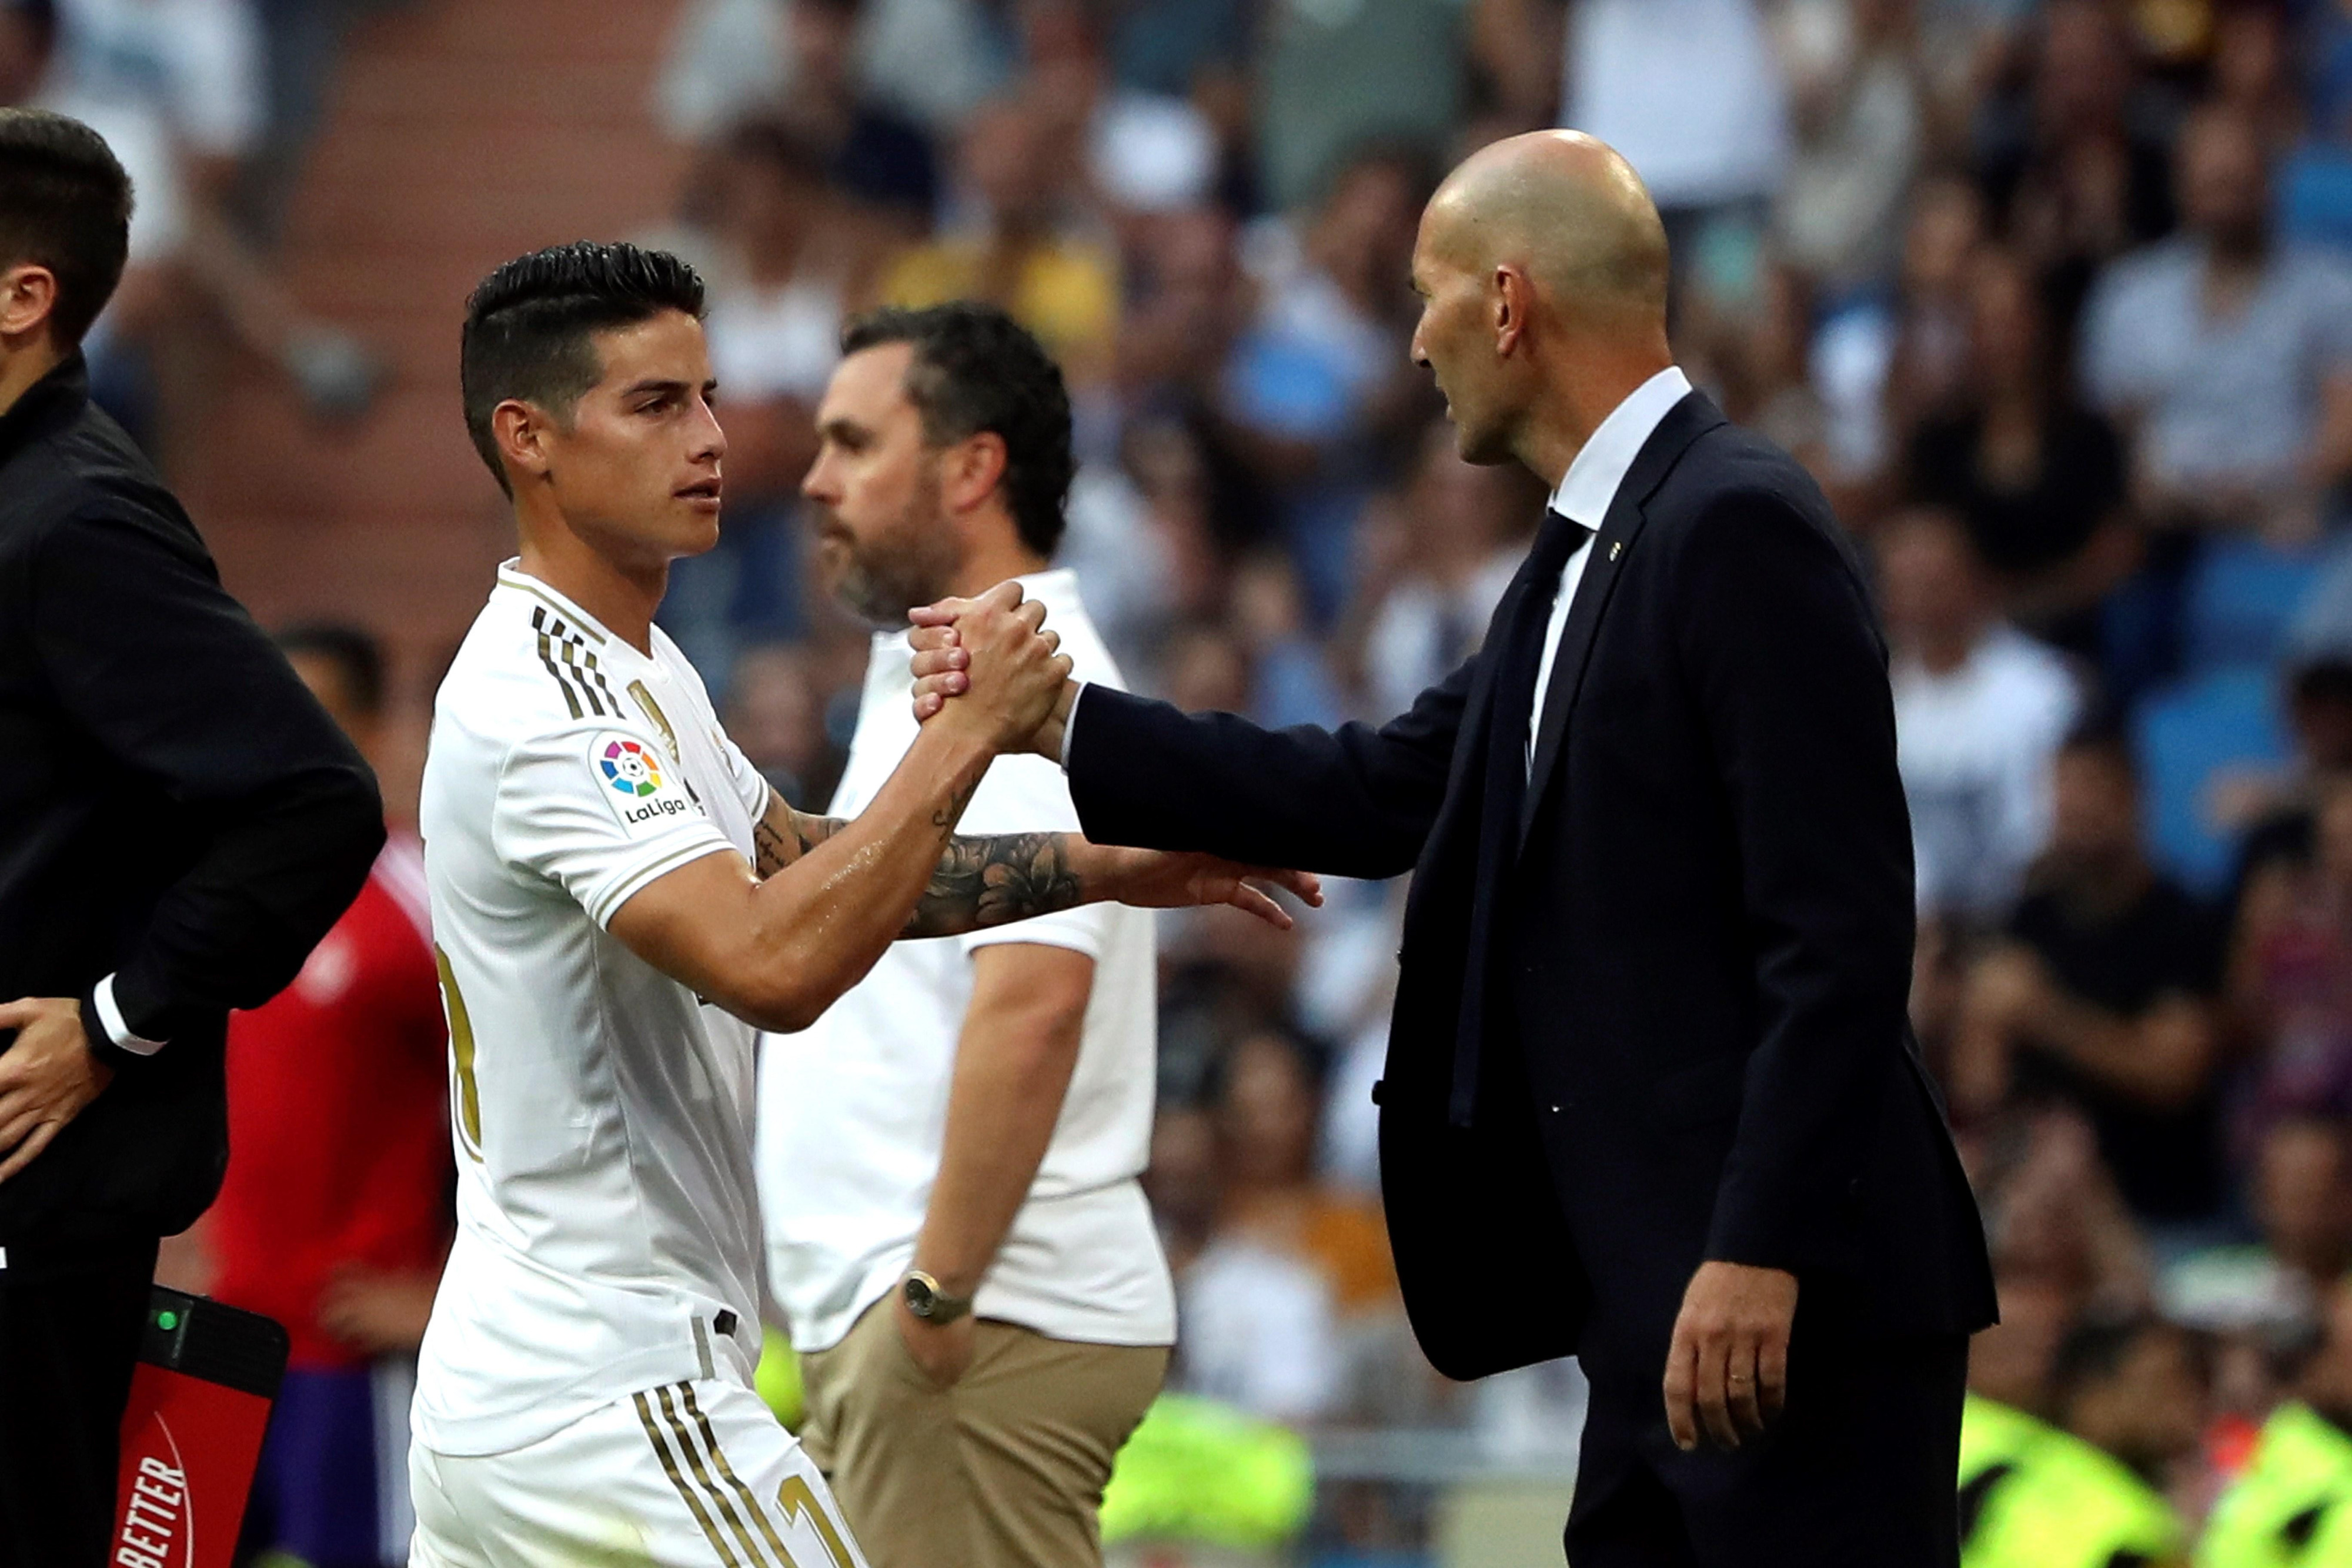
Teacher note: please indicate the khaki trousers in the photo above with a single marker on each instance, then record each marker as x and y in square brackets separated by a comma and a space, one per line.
[1005, 1469]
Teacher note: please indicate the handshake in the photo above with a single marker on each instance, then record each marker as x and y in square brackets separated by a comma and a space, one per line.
[988, 668]
[989, 665]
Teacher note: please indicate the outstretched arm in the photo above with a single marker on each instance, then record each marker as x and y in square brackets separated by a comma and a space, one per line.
[979, 881]
[1355, 801]
[776, 950]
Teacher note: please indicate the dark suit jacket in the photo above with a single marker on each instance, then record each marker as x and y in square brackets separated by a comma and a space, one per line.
[1695, 1041]
[180, 813]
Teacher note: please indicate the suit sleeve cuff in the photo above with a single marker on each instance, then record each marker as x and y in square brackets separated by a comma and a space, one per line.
[1070, 723]
[112, 1040]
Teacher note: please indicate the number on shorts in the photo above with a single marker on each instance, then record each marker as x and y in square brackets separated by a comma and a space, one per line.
[797, 1498]
[461, 1050]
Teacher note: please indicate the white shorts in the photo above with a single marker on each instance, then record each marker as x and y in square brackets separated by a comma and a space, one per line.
[688, 1475]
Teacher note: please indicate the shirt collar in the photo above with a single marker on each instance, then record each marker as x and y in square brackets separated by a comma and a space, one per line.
[1592, 481]
[63, 391]
[1056, 587]
[512, 578]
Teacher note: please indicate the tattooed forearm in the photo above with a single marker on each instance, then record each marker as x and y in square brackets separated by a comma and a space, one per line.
[977, 881]
[783, 835]
[948, 816]
[772, 850]
[983, 882]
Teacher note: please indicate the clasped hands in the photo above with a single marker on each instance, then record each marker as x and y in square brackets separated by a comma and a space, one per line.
[991, 664]
[995, 652]
[996, 657]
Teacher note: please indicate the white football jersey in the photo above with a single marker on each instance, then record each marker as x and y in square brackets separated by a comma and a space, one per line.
[608, 1234]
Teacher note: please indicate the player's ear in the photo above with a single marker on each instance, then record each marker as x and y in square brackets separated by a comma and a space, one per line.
[1514, 299]
[520, 431]
[28, 293]
[974, 467]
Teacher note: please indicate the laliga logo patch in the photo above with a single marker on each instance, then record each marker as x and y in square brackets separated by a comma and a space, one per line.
[632, 771]
[630, 768]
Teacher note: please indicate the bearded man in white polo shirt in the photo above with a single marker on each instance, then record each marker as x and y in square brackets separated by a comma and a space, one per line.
[947, 1161]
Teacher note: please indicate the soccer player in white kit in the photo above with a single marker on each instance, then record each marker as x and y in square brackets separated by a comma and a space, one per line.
[618, 899]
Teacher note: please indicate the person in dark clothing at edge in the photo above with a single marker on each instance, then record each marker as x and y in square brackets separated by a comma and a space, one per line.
[184, 823]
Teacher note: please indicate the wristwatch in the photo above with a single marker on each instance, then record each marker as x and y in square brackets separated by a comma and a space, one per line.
[928, 1303]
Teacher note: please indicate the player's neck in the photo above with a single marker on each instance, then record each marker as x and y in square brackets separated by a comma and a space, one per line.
[984, 568]
[622, 600]
[22, 369]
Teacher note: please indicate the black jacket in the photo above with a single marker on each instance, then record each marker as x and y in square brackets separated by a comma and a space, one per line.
[1695, 1041]
[179, 811]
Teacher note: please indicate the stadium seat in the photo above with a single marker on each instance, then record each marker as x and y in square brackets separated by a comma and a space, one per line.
[2314, 196]
[2242, 594]
[2184, 735]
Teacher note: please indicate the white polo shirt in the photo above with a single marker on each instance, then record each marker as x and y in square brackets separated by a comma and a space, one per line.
[853, 1112]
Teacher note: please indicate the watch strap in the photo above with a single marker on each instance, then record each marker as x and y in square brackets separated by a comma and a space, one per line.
[935, 1306]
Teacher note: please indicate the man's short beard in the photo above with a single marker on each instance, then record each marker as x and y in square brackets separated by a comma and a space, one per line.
[905, 565]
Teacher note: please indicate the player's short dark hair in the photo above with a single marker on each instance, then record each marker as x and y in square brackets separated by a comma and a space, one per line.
[976, 369]
[65, 203]
[530, 326]
[357, 656]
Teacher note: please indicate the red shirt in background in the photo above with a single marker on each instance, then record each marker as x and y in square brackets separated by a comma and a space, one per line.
[339, 1116]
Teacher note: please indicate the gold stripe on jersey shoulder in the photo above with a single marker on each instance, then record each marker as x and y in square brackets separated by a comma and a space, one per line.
[588, 632]
[573, 651]
[596, 674]
[547, 657]
[677, 1480]
[660, 720]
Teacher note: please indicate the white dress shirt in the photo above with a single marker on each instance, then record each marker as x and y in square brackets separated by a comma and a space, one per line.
[1584, 495]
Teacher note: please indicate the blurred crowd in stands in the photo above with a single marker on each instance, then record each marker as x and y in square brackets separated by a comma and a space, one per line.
[208, 104]
[2053, 297]
[2055, 300]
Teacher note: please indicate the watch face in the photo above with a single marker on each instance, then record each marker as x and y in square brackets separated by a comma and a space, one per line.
[920, 1298]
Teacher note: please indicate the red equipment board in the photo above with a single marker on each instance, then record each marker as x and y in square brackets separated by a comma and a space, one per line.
[192, 1434]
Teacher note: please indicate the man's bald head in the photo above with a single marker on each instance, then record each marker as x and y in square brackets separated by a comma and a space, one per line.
[1541, 267]
[1568, 210]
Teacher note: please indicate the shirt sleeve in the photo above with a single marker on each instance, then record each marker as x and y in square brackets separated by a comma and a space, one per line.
[600, 809]
[1029, 795]
[751, 784]
[164, 673]
[1070, 724]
